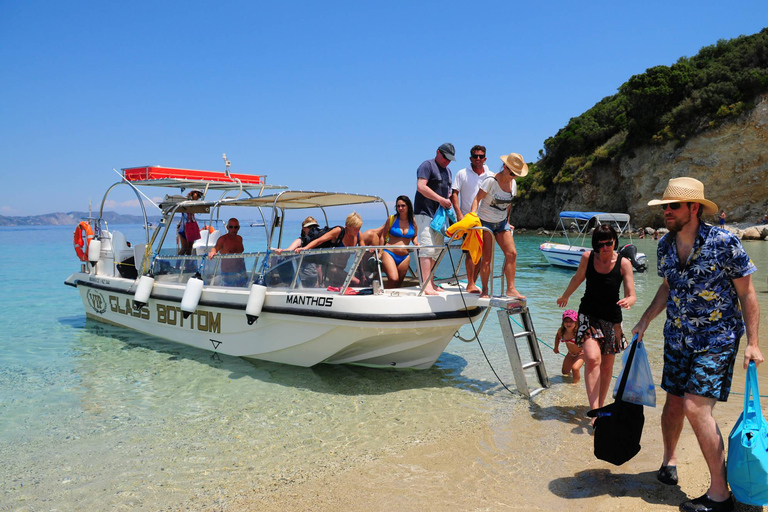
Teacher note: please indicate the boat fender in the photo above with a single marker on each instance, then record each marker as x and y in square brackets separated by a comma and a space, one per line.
[94, 251]
[191, 297]
[629, 251]
[255, 302]
[143, 291]
[83, 236]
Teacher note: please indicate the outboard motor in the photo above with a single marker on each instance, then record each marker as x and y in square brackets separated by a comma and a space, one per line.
[629, 251]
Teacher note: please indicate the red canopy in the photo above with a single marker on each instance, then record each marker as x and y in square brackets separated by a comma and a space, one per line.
[165, 176]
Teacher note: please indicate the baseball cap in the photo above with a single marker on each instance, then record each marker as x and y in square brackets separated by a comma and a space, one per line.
[448, 151]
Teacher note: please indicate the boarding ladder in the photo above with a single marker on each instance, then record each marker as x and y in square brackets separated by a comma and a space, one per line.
[507, 308]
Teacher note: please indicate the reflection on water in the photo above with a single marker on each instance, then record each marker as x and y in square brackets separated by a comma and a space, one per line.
[98, 417]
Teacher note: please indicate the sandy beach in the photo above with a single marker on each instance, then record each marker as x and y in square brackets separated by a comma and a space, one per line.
[523, 455]
[542, 461]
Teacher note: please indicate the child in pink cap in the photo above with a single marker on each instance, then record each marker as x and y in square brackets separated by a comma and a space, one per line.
[574, 359]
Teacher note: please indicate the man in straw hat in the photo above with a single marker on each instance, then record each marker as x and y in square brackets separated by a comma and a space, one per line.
[433, 190]
[707, 275]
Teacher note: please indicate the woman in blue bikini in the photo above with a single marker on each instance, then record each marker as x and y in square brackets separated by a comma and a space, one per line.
[398, 230]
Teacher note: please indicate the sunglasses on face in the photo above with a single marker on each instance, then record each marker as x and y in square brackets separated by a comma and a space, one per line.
[477, 157]
[604, 243]
[233, 227]
[671, 206]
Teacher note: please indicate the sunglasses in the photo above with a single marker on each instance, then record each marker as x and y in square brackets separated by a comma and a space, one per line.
[233, 227]
[477, 157]
[604, 243]
[671, 206]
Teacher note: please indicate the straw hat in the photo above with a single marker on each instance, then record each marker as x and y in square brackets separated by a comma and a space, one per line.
[685, 190]
[515, 163]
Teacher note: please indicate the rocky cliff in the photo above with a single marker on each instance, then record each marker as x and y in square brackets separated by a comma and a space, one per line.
[731, 160]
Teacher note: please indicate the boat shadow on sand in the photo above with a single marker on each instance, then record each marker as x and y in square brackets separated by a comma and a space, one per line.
[99, 338]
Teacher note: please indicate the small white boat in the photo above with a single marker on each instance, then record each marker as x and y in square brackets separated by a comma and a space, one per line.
[569, 254]
[266, 312]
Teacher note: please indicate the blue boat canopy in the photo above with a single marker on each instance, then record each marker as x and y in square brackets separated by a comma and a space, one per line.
[601, 216]
[578, 215]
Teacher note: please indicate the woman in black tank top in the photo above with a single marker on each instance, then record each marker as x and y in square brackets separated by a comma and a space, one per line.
[600, 332]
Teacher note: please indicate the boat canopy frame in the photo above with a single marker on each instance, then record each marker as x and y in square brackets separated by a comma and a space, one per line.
[586, 220]
[249, 191]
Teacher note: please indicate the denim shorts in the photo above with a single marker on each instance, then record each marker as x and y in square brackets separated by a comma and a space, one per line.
[496, 227]
[706, 373]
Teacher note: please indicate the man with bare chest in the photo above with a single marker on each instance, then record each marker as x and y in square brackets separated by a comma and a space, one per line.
[232, 269]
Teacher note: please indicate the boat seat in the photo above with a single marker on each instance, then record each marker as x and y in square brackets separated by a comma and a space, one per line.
[120, 247]
[206, 243]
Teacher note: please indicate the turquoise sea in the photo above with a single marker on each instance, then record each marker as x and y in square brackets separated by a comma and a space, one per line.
[94, 417]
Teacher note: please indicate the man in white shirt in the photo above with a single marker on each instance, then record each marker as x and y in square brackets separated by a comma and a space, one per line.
[464, 189]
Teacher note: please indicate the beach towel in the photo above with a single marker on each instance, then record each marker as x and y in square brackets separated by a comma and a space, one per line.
[191, 229]
[473, 242]
[442, 217]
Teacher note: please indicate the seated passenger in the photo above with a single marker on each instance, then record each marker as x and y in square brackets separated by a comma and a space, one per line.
[347, 236]
[309, 273]
[399, 230]
[232, 270]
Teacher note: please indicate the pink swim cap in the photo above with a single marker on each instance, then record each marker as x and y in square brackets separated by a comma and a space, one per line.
[569, 313]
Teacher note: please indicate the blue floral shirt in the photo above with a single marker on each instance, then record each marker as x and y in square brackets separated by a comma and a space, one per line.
[703, 307]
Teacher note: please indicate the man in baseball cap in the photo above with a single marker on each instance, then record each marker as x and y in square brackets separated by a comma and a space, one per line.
[433, 190]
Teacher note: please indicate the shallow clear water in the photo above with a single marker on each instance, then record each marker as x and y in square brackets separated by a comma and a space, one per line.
[98, 417]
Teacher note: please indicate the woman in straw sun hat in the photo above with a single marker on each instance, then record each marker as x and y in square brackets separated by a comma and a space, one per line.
[492, 204]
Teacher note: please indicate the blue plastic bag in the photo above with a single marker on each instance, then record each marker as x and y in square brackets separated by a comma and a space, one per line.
[748, 448]
[439, 220]
[640, 389]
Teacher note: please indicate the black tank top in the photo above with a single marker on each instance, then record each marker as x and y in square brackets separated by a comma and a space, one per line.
[602, 292]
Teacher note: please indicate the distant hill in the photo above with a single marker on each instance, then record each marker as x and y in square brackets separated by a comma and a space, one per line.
[71, 218]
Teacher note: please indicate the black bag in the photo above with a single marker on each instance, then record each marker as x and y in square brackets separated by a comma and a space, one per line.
[619, 425]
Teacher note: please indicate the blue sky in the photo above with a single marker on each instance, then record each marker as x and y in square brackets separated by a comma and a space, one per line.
[346, 96]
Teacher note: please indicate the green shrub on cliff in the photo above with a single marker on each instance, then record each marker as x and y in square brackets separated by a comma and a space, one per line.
[666, 103]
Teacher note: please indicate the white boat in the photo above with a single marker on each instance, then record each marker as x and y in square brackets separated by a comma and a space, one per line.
[569, 254]
[268, 315]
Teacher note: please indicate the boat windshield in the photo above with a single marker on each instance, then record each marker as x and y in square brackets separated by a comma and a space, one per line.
[335, 269]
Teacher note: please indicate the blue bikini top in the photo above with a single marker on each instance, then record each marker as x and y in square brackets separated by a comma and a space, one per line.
[395, 230]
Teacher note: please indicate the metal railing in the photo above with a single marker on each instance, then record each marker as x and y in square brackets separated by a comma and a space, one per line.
[335, 267]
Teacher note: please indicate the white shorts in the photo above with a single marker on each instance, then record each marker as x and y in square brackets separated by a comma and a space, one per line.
[428, 236]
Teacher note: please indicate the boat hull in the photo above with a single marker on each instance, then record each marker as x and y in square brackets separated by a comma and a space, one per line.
[296, 327]
[562, 255]
[569, 256]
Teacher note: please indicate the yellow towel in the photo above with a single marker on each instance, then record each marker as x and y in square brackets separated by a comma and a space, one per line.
[473, 242]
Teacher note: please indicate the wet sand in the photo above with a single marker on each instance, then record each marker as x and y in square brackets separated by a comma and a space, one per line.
[533, 455]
